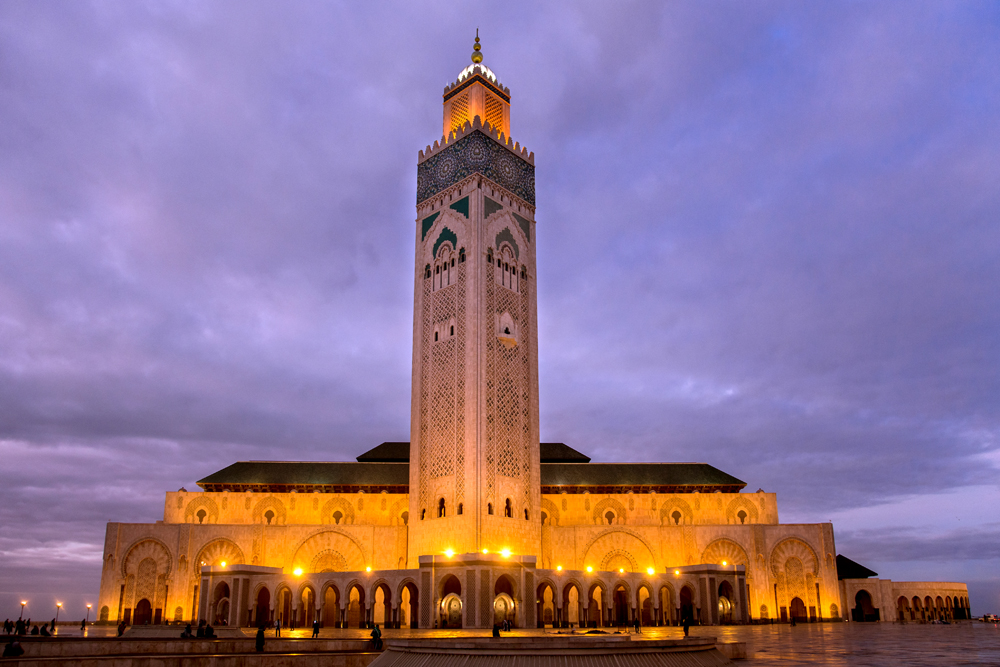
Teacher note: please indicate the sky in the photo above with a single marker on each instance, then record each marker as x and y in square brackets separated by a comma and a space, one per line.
[767, 239]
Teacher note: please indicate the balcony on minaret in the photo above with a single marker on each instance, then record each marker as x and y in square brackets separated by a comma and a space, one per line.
[476, 92]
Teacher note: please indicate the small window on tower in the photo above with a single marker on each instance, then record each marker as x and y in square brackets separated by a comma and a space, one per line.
[427, 271]
[676, 516]
[423, 514]
[461, 255]
[489, 509]
[526, 515]
[452, 330]
[453, 261]
[460, 508]
[508, 510]
[441, 512]
[435, 336]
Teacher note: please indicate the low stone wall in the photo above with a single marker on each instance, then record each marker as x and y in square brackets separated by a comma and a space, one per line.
[194, 653]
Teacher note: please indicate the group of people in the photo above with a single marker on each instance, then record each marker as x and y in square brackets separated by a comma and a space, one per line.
[504, 626]
[21, 627]
[204, 631]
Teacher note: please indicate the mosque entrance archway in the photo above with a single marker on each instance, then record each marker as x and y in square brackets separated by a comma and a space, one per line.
[864, 611]
[546, 606]
[408, 605]
[797, 610]
[645, 607]
[331, 606]
[220, 604]
[262, 610]
[595, 608]
[725, 602]
[355, 607]
[143, 613]
[451, 603]
[621, 606]
[573, 615]
[687, 604]
[503, 601]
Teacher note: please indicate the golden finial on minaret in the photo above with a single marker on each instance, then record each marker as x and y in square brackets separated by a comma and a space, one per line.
[477, 57]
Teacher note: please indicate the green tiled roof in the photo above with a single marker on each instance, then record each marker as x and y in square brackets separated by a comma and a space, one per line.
[386, 468]
[306, 475]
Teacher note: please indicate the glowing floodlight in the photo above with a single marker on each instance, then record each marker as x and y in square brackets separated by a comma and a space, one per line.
[590, 569]
[368, 569]
[297, 572]
[223, 563]
[449, 553]
[559, 568]
[505, 553]
[650, 570]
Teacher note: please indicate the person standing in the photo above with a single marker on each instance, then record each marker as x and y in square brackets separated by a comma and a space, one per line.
[687, 624]
[277, 627]
[259, 641]
[315, 628]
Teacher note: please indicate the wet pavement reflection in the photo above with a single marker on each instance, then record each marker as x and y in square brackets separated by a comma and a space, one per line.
[827, 644]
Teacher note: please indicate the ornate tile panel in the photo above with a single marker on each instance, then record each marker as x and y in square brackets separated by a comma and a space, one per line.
[475, 153]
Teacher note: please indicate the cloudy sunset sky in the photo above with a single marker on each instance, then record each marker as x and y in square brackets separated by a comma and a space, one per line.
[768, 239]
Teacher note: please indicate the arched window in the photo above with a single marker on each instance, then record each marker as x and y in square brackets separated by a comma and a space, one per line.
[508, 509]
[452, 333]
[435, 336]
[460, 508]
[201, 516]
[461, 255]
[441, 512]
[676, 516]
[337, 516]
[526, 515]
[610, 516]
[489, 508]
[742, 516]
[269, 516]
[423, 513]
[427, 271]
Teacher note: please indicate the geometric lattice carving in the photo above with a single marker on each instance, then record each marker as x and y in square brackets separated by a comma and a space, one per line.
[793, 548]
[335, 505]
[679, 505]
[148, 548]
[324, 548]
[272, 504]
[725, 551]
[218, 551]
[475, 152]
[609, 505]
[211, 510]
[749, 509]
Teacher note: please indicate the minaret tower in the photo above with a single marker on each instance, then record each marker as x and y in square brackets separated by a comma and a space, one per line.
[474, 466]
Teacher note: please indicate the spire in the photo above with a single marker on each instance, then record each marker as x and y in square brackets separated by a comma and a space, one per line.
[477, 57]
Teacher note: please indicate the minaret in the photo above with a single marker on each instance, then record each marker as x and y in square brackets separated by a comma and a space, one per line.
[474, 467]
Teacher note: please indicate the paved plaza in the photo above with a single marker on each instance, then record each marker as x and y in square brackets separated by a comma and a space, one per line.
[828, 644]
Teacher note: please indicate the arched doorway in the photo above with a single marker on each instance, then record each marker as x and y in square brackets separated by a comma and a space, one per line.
[356, 607]
[143, 613]
[725, 602]
[595, 609]
[220, 604]
[687, 604]
[645, 607]
[546, 606]
[382, 609]
[307, 607]
[262, 608]
[864, 611]
[503, 601]
[451, 603]
[572, 607]
[408, 599]
[284, 607]
[797, 609]
[621, 610]
[666, 606]
[903, 609]
[331, 607]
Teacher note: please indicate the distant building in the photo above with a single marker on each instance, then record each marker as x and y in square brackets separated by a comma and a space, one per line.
[475, 521]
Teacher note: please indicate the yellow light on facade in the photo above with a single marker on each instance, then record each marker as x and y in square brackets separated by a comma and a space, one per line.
[449, 553]
[297, 572]
[505, 553]
[486, 551]
[223, 563]
[368, 569]
[590, 569]
[650, 570]
[559, 568]
[723, 563]
[677, 571]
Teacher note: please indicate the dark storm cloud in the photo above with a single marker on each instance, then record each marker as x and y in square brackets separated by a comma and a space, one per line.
[767, 240]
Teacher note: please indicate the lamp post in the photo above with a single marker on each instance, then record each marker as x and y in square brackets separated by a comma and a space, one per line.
[58, 609]
[88, 613]
[23, 602]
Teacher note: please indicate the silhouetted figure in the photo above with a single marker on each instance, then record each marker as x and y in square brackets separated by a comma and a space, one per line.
[83, 625]
[209, 632]
[259, 641]
[377, 638]
[7, 627]
[638, 628]
[277, 627]
[13, 649]
[53, 628]
[45, 631]
[687, 624]
[315, 628]
[34, 630]
[496, 630]
[19, 627]
[121, 628]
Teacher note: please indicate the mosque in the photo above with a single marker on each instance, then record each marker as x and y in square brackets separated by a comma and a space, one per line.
[474, 521]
